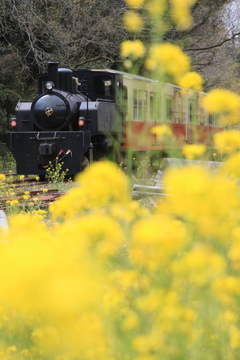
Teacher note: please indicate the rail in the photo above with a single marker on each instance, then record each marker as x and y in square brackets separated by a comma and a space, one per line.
[157, 188]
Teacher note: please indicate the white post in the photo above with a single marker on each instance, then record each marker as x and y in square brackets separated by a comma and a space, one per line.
[3, 220]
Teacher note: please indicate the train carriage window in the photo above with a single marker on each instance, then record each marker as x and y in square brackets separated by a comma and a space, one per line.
[103, 87]
[168, 109]
[124, 100]
[139, 105]
[180, 109]
[135, 105]
[159, 108]
[142, 105]
[192, 112]
[152, 106]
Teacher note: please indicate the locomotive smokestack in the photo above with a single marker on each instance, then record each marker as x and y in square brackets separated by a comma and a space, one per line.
[53, 72]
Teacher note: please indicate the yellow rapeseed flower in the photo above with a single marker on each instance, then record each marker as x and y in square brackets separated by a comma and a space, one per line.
[168, 58]
[131, 321]
[227, 141]
[2, 177]
[156, 8]
[234, 337]
[225, 289]
[201, 265]
[26, 197]
[191, 80]
[156, 240]
[231, 167]
[13, 202]
[161, 131]
[135, 3]
[181, 13]
[135, 49]
[203, 199]
[193, 151]
[104, 239]
[99, 185]
[225, 103]
[133, 21]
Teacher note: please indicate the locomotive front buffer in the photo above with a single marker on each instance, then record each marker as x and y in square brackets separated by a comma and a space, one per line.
[34, 151]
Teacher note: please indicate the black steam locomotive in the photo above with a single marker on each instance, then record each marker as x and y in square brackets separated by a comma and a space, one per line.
[74, 119]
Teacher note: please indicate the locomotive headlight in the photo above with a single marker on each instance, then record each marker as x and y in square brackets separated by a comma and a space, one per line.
[13, 122]
[81, 121]
[49, 85]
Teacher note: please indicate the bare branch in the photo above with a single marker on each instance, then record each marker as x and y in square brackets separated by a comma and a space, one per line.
[215, 45]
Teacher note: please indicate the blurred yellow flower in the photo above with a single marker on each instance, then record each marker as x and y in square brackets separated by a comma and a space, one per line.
[155, 7]
[193, 151]
[2, 177]
[181, 13]
[168, 58]
[234, 337]
[13, 202]
[133, 21]
[161, 131]
[136, 49]
[203, 199]
[191, 80]
[26, 196]
[225, 103]
[201, 265]
[156, 240]
[135, 3]
[99, 185]
[131, 321]
[225, 287]
[227, 141]
[231, 167]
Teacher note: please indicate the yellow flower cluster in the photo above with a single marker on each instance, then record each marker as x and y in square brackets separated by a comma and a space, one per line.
[112, 280]
[156, 8]
[161, 131]
[191, 80]
[135, 49]
[203, 198]
[135, 3]
[227, 141]
[231, 167]
[181, 13]
[168, 58]
[2, 177]
[227, 144]
[225, 103]
[94, 187]
[151, 248]
[133, 21]
[193, 151]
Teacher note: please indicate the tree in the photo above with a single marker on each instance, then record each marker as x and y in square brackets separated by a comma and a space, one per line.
[212, 42]
[75, 33]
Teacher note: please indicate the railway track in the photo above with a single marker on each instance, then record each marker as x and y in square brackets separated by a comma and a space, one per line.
[42, 194]
[22, 192]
